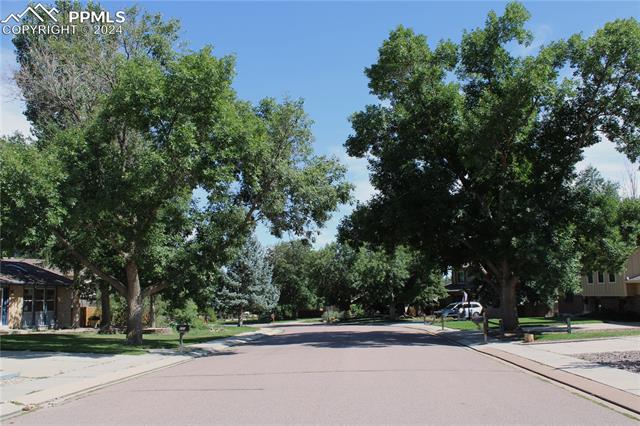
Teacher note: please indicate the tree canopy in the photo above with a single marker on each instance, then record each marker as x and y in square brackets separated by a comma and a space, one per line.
[293, 267]
[113, 176]
[473, 148]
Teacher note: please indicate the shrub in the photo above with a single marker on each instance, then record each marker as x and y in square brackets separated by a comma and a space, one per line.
[118, 311]
[188, 314]
[332, 315]
[210, 315]
[356, 311]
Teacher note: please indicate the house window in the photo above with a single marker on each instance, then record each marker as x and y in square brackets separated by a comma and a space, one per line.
[612, 277]
[590, 277]
[38, 303]
[601, 277]
[27, 301]
[50, 301]
[460, 276]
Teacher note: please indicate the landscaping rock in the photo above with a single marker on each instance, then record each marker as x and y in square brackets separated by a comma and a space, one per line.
[628, 360]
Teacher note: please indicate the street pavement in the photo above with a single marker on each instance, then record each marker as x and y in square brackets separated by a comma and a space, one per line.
[559, 355]
[35, 378]
[337, 374]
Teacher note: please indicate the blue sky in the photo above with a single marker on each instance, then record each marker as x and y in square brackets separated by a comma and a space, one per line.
[318, 51]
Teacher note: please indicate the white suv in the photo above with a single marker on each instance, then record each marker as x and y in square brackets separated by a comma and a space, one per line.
[457, 310]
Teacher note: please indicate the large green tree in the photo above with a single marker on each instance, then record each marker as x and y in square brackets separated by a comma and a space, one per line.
[293, 264]
[331, 274]
[473, 148]
[113, 177]
[376, 279]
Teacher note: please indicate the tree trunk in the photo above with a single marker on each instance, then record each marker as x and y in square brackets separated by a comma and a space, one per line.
[152, 311]
[240, 316]
[105, 306]
[134, 305]
[508, 304]
[75, 299]
[392, 310]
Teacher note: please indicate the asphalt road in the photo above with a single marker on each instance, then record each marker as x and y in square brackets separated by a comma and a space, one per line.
[334, 375]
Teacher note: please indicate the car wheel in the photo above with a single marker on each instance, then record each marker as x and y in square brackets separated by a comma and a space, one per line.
[475, 315]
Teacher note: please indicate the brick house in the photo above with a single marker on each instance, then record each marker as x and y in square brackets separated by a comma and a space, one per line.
[34, 295]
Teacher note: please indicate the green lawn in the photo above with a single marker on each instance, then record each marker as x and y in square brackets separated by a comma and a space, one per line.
[586, 335]
[307, 320]
[108, 343]
[524, 322]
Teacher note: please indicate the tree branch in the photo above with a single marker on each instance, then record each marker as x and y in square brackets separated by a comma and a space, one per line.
[115, 283]
[154, 289]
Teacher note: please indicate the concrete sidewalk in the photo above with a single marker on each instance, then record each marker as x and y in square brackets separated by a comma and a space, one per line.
[556, 360]
[37, 378]
[559, 356]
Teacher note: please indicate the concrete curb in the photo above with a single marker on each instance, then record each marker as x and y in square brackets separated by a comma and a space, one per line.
[56, 394]
[601, 391]
[607, 393]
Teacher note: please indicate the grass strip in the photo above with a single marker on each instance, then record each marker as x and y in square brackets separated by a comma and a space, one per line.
[108, 343]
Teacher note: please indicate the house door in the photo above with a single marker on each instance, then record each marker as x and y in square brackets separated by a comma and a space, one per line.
[40, 315]
[27, 307]
[44, 306]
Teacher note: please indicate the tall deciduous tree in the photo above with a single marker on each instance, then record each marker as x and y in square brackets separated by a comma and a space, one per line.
[473, 149]
[247, 282]
[293, 264]
[331, 274]
[113, 177]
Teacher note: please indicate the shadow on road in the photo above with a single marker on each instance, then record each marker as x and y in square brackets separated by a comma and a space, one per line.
[338, 338]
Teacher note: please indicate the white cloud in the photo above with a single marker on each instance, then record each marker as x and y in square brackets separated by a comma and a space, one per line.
[604, 157]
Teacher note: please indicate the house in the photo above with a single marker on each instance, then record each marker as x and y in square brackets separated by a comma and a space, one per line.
[601, 291]
[608, 291]
[465, 278]
[469, 278]
[34, 295]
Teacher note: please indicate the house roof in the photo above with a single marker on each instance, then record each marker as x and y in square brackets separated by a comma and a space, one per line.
[633, 280]
[460, 287]
[30, 272]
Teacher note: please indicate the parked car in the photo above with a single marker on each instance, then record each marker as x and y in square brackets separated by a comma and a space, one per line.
[457, 310]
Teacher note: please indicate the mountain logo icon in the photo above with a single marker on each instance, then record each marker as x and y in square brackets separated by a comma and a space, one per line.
[39, 11]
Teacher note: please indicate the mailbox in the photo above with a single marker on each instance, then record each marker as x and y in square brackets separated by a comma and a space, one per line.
[182, 329]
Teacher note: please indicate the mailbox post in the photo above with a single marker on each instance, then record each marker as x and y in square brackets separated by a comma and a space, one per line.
[485, 325]
[182, 329]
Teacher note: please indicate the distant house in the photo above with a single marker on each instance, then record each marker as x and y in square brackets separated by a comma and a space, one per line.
[464, 278]
[608, 291]
[34, 295]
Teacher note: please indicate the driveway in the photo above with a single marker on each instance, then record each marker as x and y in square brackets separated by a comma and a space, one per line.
[334, 374]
